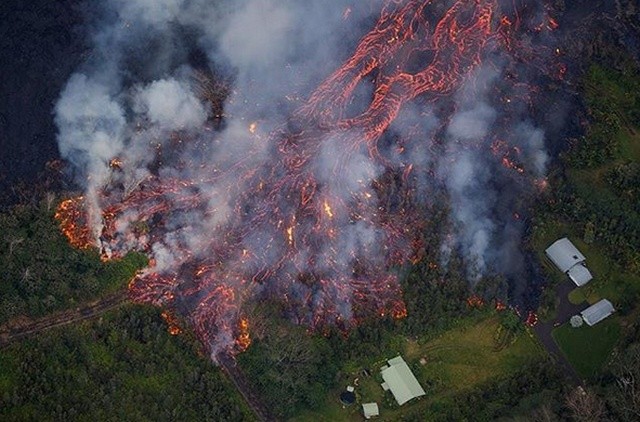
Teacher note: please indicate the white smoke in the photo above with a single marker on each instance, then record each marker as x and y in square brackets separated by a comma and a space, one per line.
[170, 105]
[257, 35]
[481, 192]
[91, 126]
[136, 91]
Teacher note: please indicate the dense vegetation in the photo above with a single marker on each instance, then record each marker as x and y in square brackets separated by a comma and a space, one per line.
[600, 192]
[40, 272]
[532, 391]
[595, 200]
[124, 367]
[290, 369]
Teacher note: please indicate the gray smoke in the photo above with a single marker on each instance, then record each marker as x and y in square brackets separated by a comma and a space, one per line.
[487, 233]
[137, 90]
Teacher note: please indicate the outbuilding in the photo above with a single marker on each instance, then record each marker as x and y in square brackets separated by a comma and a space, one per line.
[399, 379]
[597, 312]
[569, 260]
[370, 410]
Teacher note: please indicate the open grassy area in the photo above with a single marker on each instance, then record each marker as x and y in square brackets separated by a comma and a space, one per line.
[457, 361]
[588, 348]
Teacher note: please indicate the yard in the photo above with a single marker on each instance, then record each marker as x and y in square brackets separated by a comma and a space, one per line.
[455, 362]
[588, 348]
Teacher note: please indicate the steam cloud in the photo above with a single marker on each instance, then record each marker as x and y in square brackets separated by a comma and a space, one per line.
[137, 90]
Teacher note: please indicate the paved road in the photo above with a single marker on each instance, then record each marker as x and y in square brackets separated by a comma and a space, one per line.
[543, 330]
[14, 331]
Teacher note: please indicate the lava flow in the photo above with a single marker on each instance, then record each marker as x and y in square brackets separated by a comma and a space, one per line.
[316, 227]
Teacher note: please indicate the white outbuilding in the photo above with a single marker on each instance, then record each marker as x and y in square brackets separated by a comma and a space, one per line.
[597, 312]
[400, 380]
[569, 260]
[370, 410]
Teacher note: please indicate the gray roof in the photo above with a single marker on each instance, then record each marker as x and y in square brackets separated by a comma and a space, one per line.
[370, 409]
[403, 384]
[564, 254]
[580, 275]
[597, 312]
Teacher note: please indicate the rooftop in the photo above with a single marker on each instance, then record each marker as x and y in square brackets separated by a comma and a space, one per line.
[580, 275]
[400, 380]
[370, 409]
[564, 254]
[597, 312]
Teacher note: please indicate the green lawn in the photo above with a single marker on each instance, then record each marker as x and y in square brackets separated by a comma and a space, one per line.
[588, 348]
[457, 361]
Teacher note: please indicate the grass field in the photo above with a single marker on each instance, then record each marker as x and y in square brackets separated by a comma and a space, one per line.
[457, 361]
[588, 348]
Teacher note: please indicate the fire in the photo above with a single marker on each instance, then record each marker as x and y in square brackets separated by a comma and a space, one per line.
[541, 184]
[399, 312]
[72, 218]
[532, 319]
[115, 163]
[172, 321]
[278, 227]
[290, 235]
[243, 339]
[475, 301]
[510, 164]
[327, 209]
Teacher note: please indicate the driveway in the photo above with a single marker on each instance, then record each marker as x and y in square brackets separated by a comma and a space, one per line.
[543, 330]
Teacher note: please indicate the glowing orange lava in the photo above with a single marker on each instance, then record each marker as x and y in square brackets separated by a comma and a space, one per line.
[286, 232]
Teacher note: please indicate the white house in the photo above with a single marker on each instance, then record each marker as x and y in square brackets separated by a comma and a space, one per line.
[569, 260]
[400, 380]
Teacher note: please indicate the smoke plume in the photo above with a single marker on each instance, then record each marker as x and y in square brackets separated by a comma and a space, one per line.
[336, 119]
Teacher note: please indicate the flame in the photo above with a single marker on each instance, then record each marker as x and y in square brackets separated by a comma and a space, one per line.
[243, 338]
[290, 235]
[172, 323]
[327, 209]
[115, 163]
[475, 301]
[71, 216]
[509, 164]
[211, 280]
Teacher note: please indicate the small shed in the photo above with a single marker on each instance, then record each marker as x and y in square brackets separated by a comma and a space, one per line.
[370, 410]
[597, 312]
[400, 380]
[569, 260]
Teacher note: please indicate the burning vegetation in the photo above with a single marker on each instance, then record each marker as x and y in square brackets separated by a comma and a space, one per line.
[316, 209]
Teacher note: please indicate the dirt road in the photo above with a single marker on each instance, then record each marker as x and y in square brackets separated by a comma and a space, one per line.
[17, 330]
